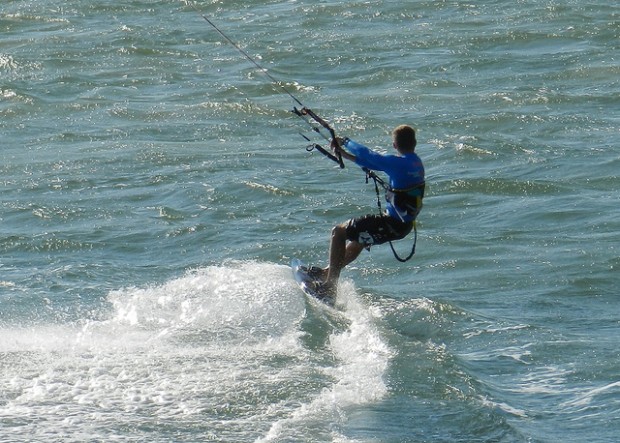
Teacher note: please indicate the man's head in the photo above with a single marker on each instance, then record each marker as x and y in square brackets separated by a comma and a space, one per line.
[404, 139]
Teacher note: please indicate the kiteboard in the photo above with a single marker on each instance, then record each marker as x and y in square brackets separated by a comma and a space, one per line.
[308, 284]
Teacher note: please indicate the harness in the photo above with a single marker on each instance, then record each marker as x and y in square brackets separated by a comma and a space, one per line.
[408, 200]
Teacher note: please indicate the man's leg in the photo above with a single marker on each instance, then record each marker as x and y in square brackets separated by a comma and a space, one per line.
[340, 253]
[353, 251]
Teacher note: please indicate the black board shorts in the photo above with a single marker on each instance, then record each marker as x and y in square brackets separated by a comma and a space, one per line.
[374, 229]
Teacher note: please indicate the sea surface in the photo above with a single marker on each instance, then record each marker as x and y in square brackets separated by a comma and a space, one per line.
[155, 186]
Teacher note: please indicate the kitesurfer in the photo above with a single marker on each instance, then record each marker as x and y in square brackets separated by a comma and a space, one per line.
[404, 201]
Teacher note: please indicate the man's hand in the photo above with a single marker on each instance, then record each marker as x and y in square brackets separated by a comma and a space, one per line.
[336, 143]
[337, 146]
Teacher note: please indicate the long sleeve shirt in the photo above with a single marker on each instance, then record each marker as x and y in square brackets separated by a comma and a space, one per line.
[404, 170]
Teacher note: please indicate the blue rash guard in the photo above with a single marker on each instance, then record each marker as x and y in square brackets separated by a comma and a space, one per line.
[404, 171]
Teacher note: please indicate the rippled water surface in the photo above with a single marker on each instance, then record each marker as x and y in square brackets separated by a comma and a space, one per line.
[155, 188]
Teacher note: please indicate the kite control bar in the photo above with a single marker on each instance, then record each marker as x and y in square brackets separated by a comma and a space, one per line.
[306, 114]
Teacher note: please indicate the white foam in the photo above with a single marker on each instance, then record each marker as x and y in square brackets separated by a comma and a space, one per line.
[245, 301]
[587, 396]
[362, 358]
[218, 342]
[222, 347]
[547, 380]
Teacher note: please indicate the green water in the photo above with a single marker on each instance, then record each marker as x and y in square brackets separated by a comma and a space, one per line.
[155, 188]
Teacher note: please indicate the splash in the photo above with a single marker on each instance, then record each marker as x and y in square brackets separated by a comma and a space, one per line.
[220, 353]
[247, 301]
[362, 359]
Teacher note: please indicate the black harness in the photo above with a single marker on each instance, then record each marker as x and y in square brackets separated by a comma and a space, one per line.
[407, 200]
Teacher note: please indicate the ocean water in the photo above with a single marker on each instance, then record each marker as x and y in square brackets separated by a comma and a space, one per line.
[154, 188]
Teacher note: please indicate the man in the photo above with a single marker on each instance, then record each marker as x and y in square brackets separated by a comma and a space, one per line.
[406, 181]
